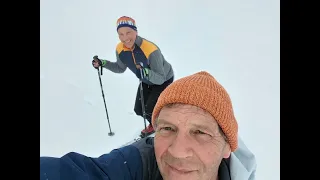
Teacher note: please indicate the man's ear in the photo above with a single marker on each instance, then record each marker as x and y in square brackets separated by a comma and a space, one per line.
[227, 151]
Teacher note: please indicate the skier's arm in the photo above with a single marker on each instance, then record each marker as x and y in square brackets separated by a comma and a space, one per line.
[156, 73]
[116, 67]
[123, 163]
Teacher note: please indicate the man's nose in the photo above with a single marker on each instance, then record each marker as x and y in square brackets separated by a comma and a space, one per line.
[181, 146]
[125, 37]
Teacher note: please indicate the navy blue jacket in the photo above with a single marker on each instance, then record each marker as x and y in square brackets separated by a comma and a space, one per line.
[133, 162]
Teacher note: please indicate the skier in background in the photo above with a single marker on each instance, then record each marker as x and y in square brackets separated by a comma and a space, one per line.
[137, 53]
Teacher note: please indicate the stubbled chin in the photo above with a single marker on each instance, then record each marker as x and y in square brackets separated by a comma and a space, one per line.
[172, 174]
[128, 45]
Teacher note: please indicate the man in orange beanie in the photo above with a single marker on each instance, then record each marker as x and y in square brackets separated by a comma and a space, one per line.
[147, 63]
[196, 139]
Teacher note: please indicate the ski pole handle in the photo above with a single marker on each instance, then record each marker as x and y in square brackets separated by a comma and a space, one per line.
[141, 74]
[96, 58]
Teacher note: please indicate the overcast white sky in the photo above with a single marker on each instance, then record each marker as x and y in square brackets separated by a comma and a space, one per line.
[238, 42]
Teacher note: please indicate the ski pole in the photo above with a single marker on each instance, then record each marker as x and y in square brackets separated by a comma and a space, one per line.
[141, 97]
[105, 106]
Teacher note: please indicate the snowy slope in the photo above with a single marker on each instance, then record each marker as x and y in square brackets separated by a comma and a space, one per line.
[236, 41]
[74, 121]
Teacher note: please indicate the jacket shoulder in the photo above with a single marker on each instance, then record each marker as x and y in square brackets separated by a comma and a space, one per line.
[119, 47]
[242, 163]
[149, 163]
[148, 47]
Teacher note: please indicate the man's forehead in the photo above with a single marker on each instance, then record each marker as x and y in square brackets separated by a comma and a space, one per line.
[184, 108]
[180, 112]
[124, 29]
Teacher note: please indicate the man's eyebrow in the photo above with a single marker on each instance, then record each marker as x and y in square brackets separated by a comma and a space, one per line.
[204, 127]
[162, 121]
[198, 126]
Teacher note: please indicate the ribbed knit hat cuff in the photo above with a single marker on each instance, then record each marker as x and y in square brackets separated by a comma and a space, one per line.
[127, 25]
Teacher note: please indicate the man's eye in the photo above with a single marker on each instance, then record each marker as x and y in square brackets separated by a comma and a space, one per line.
[199, 132]
[166, 128]
[165, 131]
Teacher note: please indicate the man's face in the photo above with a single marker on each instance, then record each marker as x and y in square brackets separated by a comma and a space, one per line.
[127, 36]
[188, 144]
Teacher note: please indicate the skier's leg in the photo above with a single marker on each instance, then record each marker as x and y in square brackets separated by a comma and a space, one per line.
[137, 105]
[156, 90]
[152, 100]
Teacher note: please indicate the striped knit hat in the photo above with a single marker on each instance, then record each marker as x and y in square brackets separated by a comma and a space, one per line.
[202, 90]
[126, 21]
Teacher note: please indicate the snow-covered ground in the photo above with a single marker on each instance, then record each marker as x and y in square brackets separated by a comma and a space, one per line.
[236, 41]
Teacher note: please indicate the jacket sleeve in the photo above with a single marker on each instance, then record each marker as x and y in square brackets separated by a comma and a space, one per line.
[116, 67]
[158, 68]
[122, 163]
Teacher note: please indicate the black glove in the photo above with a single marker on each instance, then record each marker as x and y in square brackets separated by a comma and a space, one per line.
[96, 59]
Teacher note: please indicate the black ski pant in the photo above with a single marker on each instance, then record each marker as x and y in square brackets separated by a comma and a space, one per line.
[151, 94]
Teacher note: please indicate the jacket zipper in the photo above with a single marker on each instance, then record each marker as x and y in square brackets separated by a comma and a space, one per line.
[134, 60]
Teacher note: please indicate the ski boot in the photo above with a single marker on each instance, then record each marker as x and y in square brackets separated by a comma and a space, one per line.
[146, 132]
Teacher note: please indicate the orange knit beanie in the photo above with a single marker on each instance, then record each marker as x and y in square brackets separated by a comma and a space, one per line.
[202, 90]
